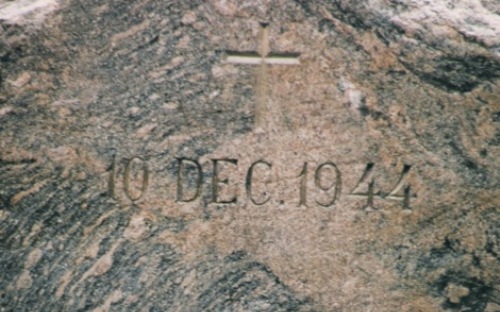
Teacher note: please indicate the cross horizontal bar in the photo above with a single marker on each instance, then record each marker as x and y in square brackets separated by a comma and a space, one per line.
[253, 58]
[242, 59]
[282, 60]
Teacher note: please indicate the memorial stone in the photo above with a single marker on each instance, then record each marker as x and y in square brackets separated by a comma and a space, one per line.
[224, 155]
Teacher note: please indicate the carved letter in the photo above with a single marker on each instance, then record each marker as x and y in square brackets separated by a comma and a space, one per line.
[111, 179]
[337, 185]
[371, 184]
[126, 178]
[216, 181]
[181, 179]
[248, 181]
[406, 197]
[303, 186]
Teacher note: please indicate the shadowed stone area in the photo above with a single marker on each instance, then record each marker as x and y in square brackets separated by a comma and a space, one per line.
[355, 168]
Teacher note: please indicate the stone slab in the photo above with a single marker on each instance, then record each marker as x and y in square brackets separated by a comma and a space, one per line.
[249, 156]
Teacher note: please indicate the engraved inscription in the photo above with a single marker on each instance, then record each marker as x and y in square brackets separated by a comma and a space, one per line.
[303, 186]
[248, 182]
[336, 185]
[111, 179]
[133, 192]
[318, 181]
[181, 179]
[216, 181]
[406, 192]
[135, 195]
[367, 177]
[189, 183]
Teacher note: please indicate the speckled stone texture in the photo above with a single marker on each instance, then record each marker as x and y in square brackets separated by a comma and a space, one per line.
[375, 175]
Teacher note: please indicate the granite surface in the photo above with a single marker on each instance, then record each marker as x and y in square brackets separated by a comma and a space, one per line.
[142, 170]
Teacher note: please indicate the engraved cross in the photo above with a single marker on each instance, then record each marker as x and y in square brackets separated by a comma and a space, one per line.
[262, 58]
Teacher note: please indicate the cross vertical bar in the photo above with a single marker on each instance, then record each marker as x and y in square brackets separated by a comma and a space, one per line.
[262, 58]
